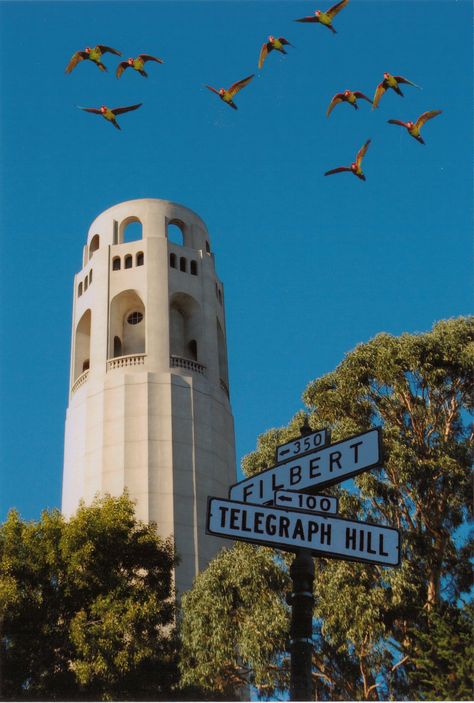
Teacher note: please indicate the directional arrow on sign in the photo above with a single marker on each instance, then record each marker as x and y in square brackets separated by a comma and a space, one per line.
[321, 467]
[303, 501]
[302, 445]
[322, 535]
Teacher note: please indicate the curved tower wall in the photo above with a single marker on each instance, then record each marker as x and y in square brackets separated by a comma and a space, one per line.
[149, 406]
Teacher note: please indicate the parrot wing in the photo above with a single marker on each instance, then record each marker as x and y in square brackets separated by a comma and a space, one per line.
[78, 56]
[282, 40]
[121, 68]
[147, 57]
[121, 110]
[381, 88]
[213, 89]
[266, 48]
[332, 12]
[95, 110]
[235, 87]
[337, 170]
[104, 49]
[312, 18]
[402, 124]
[401, 79]
[425, 117]
[358, 94]
[361, 153]
[336, 99]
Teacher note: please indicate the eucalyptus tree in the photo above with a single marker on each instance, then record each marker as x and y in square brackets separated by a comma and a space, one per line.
[419, 389]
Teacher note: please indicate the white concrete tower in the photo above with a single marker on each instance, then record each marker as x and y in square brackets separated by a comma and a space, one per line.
[149, 400]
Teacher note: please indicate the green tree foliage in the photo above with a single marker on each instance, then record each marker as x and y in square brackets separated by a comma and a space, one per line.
[419, 389]
[236, 599]
[86, 607]
[442, 655]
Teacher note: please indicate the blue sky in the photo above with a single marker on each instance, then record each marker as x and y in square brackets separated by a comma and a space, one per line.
[311, 265]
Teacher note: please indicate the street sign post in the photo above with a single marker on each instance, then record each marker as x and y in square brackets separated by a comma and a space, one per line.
[306, 501]
[322, 535]
[321, 467]
[302, 445]
[310, 527]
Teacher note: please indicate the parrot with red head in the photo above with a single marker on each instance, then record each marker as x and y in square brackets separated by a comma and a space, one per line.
[110, 113]
[325, 18]
[348, 96]
[91, 54]
[228, 95]
[413, 128]
[273, 43]
[355, 167]
[392, 82]
[137, 64]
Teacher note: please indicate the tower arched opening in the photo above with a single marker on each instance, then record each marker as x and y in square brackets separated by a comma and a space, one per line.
[130, 230]
[175, 231]
[94, 245]
[82, 344]
[185, 326]
[127, 324]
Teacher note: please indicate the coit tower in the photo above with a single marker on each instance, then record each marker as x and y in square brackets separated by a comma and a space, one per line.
[149, 406]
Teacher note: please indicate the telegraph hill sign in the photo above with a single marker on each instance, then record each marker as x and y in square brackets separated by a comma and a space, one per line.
[290, 530]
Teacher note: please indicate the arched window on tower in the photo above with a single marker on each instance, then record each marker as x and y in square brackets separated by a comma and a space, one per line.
[128, 261]
[127, 324]
[82, 342]
[140, 258]
[194, 268]
[208, 248]
[175, 232]
[182, 264]
[185, 327]
[86, 284]
[173, 260]
[130, 230]
[116, 263]
[94, 245]
[79, 290]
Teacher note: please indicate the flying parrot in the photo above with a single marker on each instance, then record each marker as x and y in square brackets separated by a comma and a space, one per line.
[348, 96]
[94, 55]
[325, 18]
[414, 128]
[390, 81]
[138, 64]
[355, 168]
[227, 95]
[272, 43]
[110, 113]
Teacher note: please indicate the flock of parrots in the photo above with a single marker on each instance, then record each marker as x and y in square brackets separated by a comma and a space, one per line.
[227, 95]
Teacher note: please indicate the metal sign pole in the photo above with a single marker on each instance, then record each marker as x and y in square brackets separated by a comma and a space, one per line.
[301, 641]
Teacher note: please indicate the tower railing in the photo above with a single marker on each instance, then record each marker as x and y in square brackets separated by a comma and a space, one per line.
[129, 360]
[80, 380]
[181, 362]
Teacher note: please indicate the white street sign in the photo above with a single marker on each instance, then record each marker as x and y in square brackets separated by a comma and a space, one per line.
[324, 467]
[302, 445]
[306, 501]
[289, 530]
